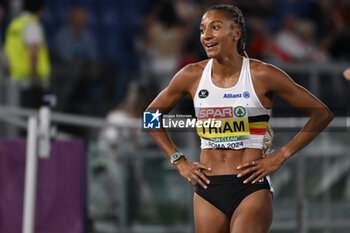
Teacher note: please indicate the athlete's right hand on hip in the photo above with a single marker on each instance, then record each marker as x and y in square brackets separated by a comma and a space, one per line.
[193, 173]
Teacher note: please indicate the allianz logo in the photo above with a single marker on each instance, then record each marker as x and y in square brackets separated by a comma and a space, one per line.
[228, 96]
[245, 95]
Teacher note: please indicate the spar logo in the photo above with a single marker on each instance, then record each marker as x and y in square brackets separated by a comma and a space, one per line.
[239, 111]
[234, 122]
[217, 113]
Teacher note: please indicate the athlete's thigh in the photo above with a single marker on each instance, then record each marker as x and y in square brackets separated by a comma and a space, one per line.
[207, 218]
[253, 214]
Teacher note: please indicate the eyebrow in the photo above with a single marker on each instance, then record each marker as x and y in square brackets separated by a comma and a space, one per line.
[214, 21]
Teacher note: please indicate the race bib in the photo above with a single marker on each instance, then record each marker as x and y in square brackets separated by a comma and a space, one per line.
[234, 123]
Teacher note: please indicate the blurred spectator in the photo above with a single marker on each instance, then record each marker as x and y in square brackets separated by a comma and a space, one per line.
[188, 10]
[128, 144]
[76, 65]
[164, 40]
[190, 13]
[298, 48]
[138, 97]
[287, 39]
[29, 63]
[74, 42]
[306, 31]
[261, 44]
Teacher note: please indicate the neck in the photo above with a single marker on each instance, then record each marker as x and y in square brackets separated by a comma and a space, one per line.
[225, 67]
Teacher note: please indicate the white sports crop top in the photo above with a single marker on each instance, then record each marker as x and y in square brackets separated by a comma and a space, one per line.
[243, 118]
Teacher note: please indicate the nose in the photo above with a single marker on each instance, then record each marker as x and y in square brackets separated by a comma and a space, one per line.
[207, 35]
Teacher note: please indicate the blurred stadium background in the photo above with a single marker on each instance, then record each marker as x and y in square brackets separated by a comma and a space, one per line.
[122, 53]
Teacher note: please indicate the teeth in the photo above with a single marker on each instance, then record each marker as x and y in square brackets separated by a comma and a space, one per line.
[211, 44]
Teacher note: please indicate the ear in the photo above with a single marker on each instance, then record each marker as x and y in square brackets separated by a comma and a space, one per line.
[237, 31]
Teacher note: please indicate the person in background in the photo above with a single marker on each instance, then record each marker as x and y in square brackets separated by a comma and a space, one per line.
[289, 41]
[28, 57]
[76, 64]
[165, 35]
[129, 112]
[125, 148]
[74, 42]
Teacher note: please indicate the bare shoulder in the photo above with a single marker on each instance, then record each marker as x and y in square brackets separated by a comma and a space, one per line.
[193, 70]
[268, 75]
[184, 82]
[263, 70]
[188, 77]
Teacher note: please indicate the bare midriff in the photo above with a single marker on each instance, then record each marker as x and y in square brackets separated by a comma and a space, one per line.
[225, 162]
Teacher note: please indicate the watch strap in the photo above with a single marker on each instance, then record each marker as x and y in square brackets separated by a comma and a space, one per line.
[175, 157]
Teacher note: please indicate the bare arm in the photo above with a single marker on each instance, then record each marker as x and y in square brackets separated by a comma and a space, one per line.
[165, 102]
[178, 88]
[319, 115]
[278, 82]
[34, 51]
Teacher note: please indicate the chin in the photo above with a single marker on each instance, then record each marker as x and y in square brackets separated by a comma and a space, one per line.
[216, 56]
[212, 54]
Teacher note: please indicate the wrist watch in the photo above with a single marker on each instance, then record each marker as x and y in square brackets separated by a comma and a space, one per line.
[175, 157]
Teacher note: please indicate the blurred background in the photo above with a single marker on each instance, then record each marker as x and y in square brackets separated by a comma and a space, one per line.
[106, 61]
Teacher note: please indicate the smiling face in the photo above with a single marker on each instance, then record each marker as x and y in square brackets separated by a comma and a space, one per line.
[219, 34]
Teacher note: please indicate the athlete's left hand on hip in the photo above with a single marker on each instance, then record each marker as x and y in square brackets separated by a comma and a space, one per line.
[260, 168]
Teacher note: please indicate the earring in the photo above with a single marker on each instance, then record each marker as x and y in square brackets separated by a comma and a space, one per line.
[236, 38]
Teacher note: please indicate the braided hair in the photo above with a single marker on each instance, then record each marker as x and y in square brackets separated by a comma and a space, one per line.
[237, 16]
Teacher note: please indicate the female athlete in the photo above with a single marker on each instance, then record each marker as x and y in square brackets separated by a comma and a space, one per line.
[233, 192]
